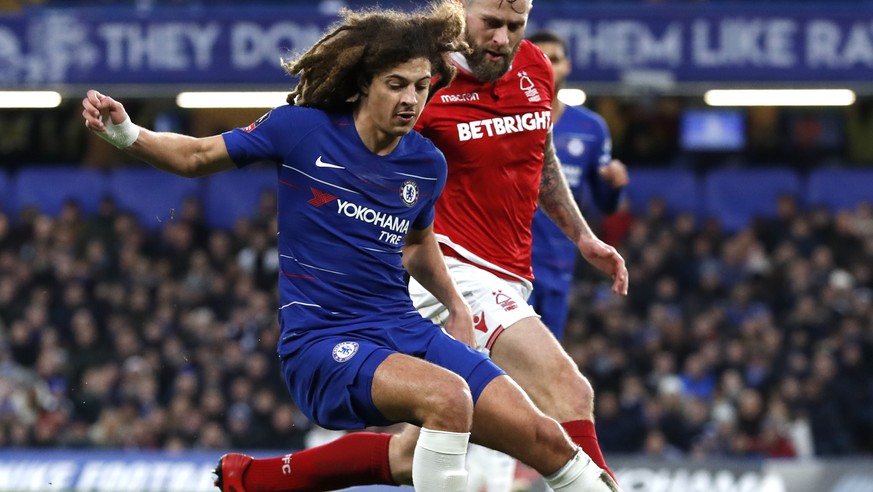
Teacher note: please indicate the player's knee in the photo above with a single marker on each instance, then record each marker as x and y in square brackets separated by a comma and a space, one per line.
[550, 436]
[574, 394]
[450, 407]
[583, 403]
[568, 377]
[586, 391]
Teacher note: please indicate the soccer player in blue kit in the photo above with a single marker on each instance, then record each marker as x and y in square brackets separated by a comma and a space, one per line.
[584, 147]
[356, 198]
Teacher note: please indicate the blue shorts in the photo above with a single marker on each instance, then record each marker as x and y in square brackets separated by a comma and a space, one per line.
[551, 297]
[553, 306]
[330, 375]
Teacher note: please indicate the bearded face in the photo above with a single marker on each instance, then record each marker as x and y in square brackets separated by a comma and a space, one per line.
[495, 29]
[490, 63]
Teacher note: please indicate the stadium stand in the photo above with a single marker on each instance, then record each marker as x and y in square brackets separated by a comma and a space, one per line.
[130, 187]
[733, 196]
[677, 187]
[840, 189]
[5, 198]
[49, 187]
[736, 196]
[236, 194]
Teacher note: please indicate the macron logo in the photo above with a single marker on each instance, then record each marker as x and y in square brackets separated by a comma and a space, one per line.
[321, 163]
[468, 96]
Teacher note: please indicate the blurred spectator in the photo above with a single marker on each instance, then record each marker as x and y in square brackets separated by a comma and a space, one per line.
[755, 344]
[107, 337]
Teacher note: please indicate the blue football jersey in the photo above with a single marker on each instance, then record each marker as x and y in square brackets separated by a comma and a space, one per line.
[582, 143]
[343, 214]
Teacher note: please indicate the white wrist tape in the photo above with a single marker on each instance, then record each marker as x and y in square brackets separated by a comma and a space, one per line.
[122, 135]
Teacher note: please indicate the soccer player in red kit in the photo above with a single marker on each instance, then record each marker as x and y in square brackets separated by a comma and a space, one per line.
[493, 125]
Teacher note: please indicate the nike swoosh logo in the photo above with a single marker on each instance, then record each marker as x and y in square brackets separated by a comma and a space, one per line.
[321, 163]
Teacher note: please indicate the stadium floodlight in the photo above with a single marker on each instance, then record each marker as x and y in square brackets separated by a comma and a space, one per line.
[780, 97]
[191, 100]
[572, 97]
[29, 99]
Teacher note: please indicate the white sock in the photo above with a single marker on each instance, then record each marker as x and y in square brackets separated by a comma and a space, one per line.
[438, 462]
[580, 474]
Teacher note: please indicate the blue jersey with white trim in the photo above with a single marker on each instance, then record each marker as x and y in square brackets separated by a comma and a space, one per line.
[582, 143]
[343, 214]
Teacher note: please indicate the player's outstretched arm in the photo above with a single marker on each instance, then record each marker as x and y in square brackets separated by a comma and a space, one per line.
[424, 261]
[557, 202]
[171, 152]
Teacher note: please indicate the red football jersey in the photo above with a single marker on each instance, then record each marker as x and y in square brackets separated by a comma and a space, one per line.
[493, 136]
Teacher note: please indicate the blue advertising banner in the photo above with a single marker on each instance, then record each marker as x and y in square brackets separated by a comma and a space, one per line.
[221, 46]
[105, 471]
[716, 43]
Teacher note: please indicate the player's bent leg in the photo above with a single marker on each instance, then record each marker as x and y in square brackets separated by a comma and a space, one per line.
[445, 352]
[529, 353]
[403, 388]
[409, 389]
[412, 390]
[506, 420]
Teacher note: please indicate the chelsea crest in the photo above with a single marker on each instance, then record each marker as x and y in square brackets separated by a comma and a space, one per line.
[344, 351]
[409, 193]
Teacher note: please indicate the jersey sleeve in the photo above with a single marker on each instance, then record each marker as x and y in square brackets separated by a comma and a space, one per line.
[604, 195]
[255, 142]
[425, 218]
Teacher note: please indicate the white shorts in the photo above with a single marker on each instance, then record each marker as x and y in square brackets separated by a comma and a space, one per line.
[497, 303]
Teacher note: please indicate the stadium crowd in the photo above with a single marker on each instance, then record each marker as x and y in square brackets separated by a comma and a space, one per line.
[754, 344]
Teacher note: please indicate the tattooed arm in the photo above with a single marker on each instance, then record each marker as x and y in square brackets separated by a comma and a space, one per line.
[557, 202]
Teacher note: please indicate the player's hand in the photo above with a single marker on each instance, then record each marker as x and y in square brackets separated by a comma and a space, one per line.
[614, 174]
[100, 109]
[460, 325]
[607, 260]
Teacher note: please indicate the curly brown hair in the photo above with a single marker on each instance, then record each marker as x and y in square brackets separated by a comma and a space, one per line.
[365, 43]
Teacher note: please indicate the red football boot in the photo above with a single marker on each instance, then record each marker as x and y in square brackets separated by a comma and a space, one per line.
[229, 472]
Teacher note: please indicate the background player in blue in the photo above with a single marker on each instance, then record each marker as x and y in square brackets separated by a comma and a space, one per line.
[356, 198]
[585, 149]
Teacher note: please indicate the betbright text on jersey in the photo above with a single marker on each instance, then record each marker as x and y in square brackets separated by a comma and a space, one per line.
[503, 125]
